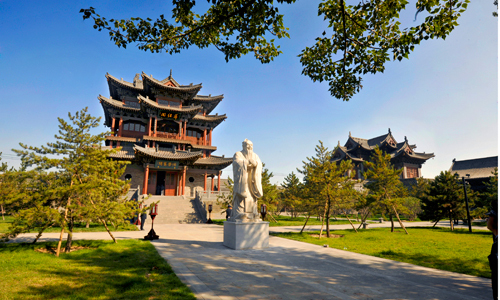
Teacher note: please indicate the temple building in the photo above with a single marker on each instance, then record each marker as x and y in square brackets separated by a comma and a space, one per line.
[165, 129]
[403, 155]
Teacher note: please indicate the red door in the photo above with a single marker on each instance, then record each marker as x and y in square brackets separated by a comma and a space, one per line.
[170, 184]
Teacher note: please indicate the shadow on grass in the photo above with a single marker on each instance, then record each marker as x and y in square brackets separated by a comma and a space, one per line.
[131, 269]
[459, 265]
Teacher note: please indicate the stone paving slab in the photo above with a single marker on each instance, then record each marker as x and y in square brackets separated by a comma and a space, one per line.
[292, 270]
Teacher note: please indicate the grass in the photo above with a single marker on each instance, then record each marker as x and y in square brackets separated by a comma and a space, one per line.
[458, 251]
[130, 269]
[79, 227]
[299, 221]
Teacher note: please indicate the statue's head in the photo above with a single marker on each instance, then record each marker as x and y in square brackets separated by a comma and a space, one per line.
[247, 145]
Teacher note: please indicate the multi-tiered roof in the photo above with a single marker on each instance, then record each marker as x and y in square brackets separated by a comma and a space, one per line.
[145, 102]
[403, 154]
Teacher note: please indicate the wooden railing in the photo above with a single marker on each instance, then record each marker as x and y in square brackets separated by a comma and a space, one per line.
[167, 135]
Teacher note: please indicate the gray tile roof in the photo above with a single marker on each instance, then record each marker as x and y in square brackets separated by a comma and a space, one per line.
[169, 155]
[116, 103]
[214, 160]
[476, 168]
[184, 109]
[124, 153]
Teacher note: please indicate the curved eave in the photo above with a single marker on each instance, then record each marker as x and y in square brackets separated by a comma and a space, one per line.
[153, 104]
[124, 153]
[166, 140]
[122, 139]
[116, 104]
[214, 161]
[213, 148]
[168, 155]
[209, 119]
[201, 98]
[156, 83]
[122, 83]
[414, 155]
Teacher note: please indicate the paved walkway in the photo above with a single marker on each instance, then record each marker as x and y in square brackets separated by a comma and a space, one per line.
[293, 270]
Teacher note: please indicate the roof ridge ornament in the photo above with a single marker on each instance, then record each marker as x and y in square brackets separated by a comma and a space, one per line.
[170, 77]
[390, 130]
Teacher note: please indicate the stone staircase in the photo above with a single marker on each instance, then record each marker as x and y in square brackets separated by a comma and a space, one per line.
[175, 210]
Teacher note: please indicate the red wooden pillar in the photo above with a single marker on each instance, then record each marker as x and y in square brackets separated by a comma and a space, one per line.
[184, 181]
[110, 144]
[184, 131]
[156, 124]
[179, 136]
[218, 180]
[149, 126]
[213, 177]
[146, 176]
[113, 126]
[205, 137]
[210, 143]
[120, 127]
[205, 182]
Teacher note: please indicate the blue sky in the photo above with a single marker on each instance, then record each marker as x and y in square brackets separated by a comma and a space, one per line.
[444, 98]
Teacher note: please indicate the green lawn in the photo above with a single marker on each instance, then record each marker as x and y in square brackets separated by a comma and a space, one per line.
[130, 269]
[299, 221]
[458, 251]
[80, 227]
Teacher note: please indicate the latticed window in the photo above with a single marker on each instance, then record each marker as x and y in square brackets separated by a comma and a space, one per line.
[411, 172]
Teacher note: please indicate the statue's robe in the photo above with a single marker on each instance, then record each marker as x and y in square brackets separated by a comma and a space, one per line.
[247, 184]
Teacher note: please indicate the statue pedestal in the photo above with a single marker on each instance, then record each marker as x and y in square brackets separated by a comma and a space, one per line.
[246, 235]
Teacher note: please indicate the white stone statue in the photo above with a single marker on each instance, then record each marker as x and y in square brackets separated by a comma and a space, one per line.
[247, 171]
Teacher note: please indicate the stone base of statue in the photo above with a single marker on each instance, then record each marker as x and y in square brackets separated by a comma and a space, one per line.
[246, 235]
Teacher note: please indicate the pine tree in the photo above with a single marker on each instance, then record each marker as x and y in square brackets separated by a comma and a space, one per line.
[331, 181]
[84, 182]
[386, 189]
[445, 199]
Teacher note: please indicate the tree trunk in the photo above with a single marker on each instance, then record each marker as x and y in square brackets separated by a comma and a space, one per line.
[350, 222]
[60, 241]
[397, 216]
[107, 229]
[69, 241]
[328, 218]
[322, 222]
[3, 211]
[40, 233]
[363, 219]
[87, 225]
[451, 222]
[392, 222]
[305, 223]
[435, 224]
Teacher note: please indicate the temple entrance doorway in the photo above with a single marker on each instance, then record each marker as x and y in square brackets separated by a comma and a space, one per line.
[160, 182]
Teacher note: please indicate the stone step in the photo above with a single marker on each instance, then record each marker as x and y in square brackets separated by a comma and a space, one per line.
[174, 210]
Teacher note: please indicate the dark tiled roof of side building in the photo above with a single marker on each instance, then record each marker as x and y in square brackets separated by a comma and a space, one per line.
[476, 168]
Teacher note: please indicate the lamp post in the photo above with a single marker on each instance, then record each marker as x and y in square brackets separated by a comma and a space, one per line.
[263, 211]
[209, 214]
[152, 234]
[467, 202]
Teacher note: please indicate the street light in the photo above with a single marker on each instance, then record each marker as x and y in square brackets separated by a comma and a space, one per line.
[152, 234]
[209, 214]
[467, 201]
[263, 211]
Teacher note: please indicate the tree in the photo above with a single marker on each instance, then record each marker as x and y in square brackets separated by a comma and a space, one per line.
[77, 180]
[386, 189]
[359, 38]
[291, 193]
[445, 198]
[331, 181]
[490, 195]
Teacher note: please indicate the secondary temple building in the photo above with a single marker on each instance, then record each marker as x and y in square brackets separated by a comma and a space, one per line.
[403, 155]
[165, 129]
